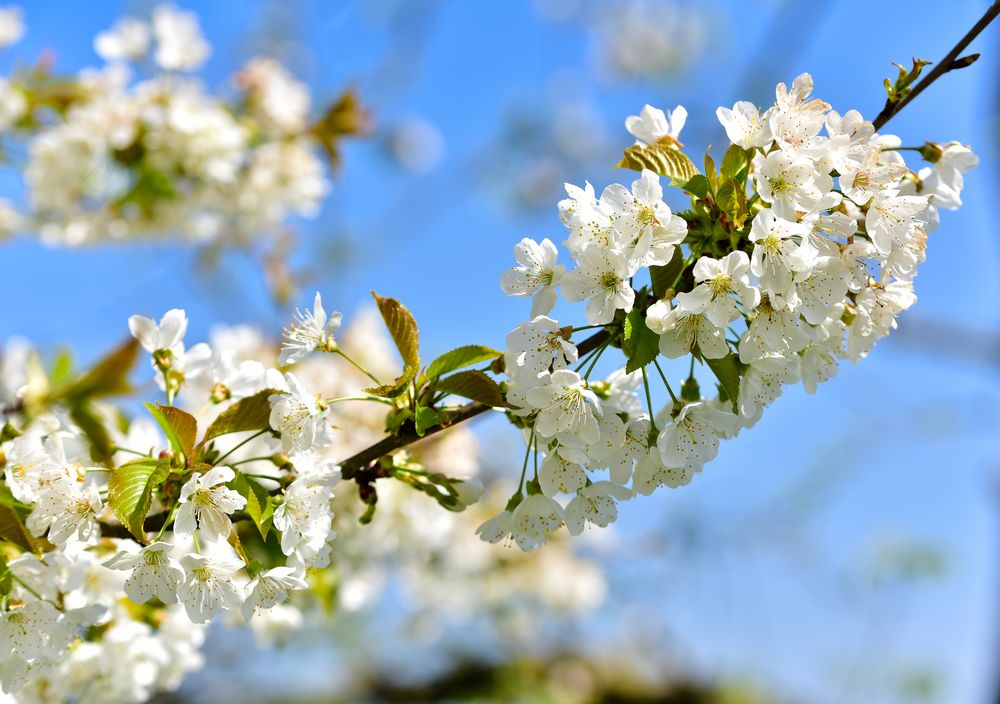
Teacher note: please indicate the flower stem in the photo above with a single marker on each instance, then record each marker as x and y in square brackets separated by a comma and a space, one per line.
[649, 399]
[357, 365]
[665, 382]
[527, 454]
[241, 444]
[597, 357]
[374, 399]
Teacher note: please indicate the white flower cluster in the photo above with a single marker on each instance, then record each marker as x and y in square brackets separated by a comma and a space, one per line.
[771, 287]
[68, 582]
[92, 615]
[112, 158]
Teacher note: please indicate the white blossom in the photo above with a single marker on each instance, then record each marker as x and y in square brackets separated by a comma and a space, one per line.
[167, 335]
[312, 330]
[603, 281]
[692, 438]
[745, 125]
[565, 405]
[538, 274]
[206, 503]
[180, 45]
[127, 40]
[303, 515]
[270, 589]
[596, 504]
[154, 573]
[300, 417]
[208, 586]
[652, 125]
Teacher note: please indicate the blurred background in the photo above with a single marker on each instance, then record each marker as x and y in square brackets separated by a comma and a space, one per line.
[844, 550]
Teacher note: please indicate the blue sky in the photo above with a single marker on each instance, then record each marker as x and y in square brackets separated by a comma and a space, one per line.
[913, 433]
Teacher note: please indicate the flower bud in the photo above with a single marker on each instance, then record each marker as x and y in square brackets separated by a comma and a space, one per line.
[220, 392]
[931, 152]
[469, 490]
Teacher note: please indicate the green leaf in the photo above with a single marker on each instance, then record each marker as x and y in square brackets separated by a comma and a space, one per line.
[108, 376]
[690, 391]
[130, 491]
[664, 277]
[234, 540]
[698, 186]
[732, 198]
[345, 117]
[639, 343]
[664, 159]
[259, 506]
[12, 529]
[727, 371]
[179, 426]
[473, 385]
[7, 498]
[5, 578]
[901, 88]
[710, 173]
[250, 413]
[91, 422]
[425, 418]
[461, 357]
[403, 329]
[62, 368]
[734, 161]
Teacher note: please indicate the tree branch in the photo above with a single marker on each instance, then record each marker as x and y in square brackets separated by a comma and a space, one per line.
[359, 467]
[950, 62]
[363, 467]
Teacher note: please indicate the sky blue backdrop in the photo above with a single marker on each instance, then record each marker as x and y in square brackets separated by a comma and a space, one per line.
[912, 433]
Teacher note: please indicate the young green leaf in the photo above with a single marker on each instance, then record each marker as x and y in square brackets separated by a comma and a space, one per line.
[425, 418]
[179, 426]
[88, 419]
[727, 371]
[698, 186]
[459, 358]
[5, 579]
[130, 491]
[734, 161]
[664, 277]
[250, 413]
[7, 498]
[473, 385]
[62, 368]
[259, 506]
[710, 173]
[109, 376]
[234, 540]
[663, 159]
[13, 530]
[403, 329]
[732, 198]
[639, 343]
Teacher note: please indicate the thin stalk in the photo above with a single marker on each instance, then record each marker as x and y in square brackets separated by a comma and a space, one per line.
[950, 62]
[649, 400]
[357, 366]
[241, 444]
[524, 467]
[665, 382]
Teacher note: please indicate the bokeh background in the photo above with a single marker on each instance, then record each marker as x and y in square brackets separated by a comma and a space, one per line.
[844, 550]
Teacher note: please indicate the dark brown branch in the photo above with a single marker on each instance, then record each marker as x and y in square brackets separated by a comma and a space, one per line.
[359, 467]
[950, 62]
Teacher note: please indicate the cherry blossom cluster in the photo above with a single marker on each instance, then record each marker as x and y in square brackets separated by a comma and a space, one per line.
[139, 147]
[798, 252]
[111, 563]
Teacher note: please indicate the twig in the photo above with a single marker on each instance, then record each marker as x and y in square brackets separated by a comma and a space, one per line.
[358, 467]
[950, 62]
